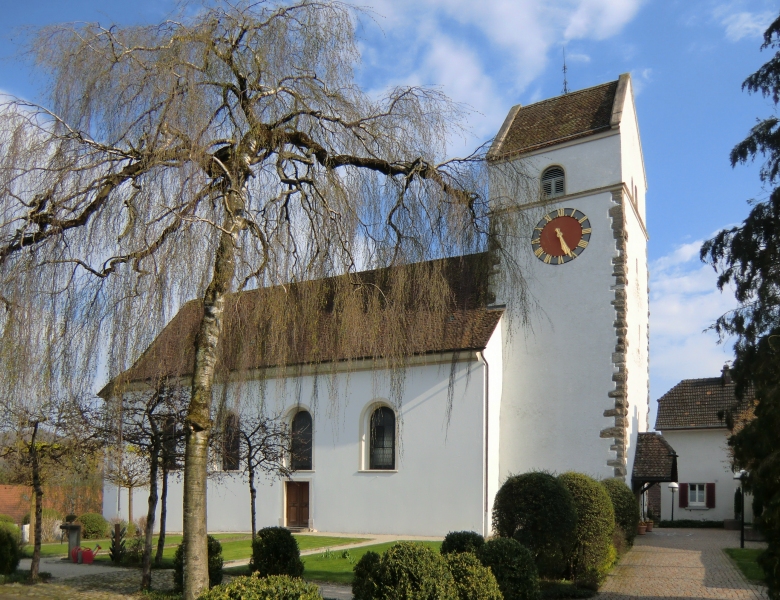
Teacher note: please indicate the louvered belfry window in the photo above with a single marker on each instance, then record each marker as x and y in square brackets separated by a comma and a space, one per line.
[553, 182]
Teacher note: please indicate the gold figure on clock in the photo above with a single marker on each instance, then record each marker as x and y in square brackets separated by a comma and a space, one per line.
[561, 236]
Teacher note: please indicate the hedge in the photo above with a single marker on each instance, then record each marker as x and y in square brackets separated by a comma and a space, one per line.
[538, 511]
[461, 541]
[473, 580]
[593, 553]
[273, 587]
[412, 571]
[513, 566]
[626, 507]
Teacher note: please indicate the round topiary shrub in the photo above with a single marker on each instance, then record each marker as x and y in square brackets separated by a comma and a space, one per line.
[9, 551]
[538, 511]
[412, 571]
[93, 526]
[473, 580]
[513, 566]
[593, 554]
[365, 584]
[273, 587]
[461, 541]
[215, 564]
[625, 506]
[275, 552]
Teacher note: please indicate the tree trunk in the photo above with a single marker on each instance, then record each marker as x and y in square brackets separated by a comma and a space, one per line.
[253, 500]
[163, 514]
[146, 563]
[38, 491]
[198, 422]
[130, 505]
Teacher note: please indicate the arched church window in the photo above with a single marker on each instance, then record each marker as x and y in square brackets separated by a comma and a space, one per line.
[231, 443]
[553, 182]
[301, 446]
[382, 430]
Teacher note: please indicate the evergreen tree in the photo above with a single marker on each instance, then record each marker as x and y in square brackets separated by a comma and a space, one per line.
[748, 257]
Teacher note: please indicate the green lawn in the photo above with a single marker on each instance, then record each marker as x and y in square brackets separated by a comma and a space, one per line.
[336, 569]
[747, 561]
[235, 546]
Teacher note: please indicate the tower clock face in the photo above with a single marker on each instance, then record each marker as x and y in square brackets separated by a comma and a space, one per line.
[561, 236]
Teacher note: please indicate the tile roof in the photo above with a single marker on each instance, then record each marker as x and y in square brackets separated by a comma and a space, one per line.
[697, 404]
[556, 120]
[654, 459]
[245, 341]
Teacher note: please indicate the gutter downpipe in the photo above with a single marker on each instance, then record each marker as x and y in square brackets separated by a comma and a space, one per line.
[485, 520]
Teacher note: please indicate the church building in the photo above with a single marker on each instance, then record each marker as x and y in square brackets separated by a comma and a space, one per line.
[491, 394]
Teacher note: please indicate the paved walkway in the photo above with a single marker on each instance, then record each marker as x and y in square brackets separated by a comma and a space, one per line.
[681, 563]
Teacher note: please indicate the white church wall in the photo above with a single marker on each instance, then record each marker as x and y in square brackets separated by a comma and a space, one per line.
[703, 458]
[494, 357]
[558, 370]
[437, 487]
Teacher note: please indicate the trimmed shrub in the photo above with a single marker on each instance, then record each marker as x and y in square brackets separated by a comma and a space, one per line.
[273, 587]
[93, 526]
[626, 507]
[593, 553]
[9, 551]
[7, 519]
[538, 511]
[275, 552]
[412, 571]
[513, 566]
[461, 541]
[365, 584]
[215, 564]
[473, 580]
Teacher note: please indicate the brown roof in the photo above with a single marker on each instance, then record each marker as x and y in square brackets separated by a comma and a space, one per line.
[654, 459]
[252, 339]
[698, 404]
[558, 120]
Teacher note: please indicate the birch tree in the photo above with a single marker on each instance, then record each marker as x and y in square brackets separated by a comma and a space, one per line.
[227, 149]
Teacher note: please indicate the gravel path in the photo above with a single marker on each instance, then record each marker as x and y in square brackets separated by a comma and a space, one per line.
[681, 563]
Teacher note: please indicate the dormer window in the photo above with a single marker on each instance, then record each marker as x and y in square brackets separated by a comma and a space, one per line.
[552, 182]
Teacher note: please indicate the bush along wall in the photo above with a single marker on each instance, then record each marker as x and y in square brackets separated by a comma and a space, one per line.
[690, 523]
[513, 566]
[93, 526]
[626, 507]
[593, 553]
[538, 511]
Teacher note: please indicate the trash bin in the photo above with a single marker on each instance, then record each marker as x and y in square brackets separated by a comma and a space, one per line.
[73, 531]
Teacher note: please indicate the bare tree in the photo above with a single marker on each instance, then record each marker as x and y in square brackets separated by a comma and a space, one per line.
[127, 466]
[226, 150]
[146, 423]
[40, 443]
[256, 444]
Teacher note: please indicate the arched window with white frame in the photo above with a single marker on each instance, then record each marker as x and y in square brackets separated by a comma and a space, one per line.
[553, 182]
[301, 443]
[382, 439]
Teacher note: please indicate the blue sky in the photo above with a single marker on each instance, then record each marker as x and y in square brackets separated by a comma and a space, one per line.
[687, 58]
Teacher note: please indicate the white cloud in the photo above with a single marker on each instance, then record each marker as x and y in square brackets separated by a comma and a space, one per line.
[740, 23]
[684, 302]
[482, 54]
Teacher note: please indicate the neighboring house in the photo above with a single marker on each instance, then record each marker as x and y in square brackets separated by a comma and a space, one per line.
[692, 417]
[567, 390]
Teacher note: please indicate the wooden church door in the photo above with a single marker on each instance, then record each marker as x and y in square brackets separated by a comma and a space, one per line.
[297, 504]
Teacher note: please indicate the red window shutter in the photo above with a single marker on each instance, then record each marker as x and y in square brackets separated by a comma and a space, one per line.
[710, 495]
[683, 495]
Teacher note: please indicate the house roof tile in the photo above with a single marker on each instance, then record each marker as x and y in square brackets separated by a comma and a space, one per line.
[556, 120]
[697, 404]
[244, 344]
[654, 458]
